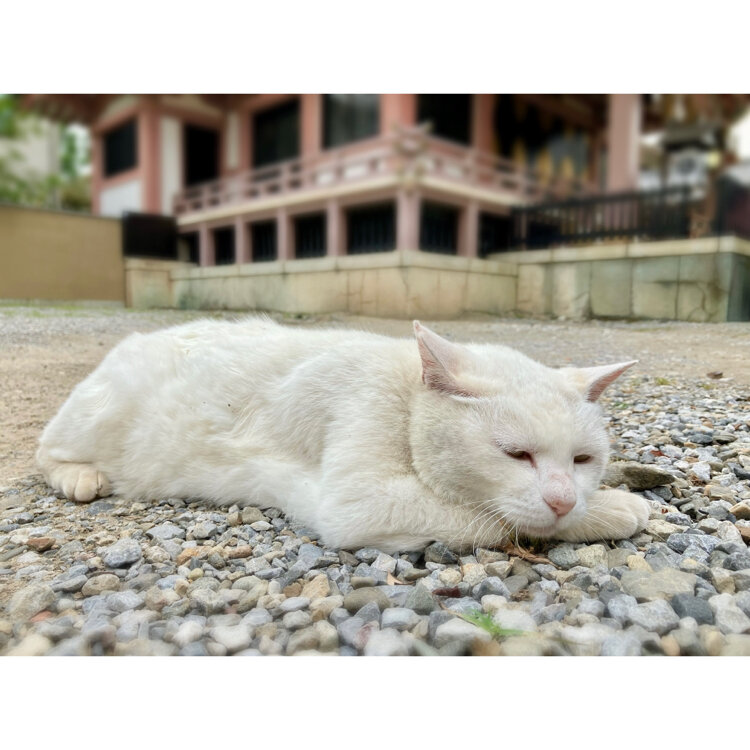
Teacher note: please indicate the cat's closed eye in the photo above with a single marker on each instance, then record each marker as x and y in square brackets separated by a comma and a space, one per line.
[582, 459]
[519, 455]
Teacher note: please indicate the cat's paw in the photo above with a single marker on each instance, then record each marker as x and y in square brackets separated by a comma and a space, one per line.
[80, 482]
[611, 514]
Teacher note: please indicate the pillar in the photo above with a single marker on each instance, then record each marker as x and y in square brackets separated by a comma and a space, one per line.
[206, 252]
[241, 241]
[397, 110]
[334, 229]
[284, 251]
[407, 219]
[149, 156]
[623, 132]
[468, 241]
[311, 124]
[482, 125]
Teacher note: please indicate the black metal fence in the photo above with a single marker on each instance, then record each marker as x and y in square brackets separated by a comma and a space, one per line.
[657, 215]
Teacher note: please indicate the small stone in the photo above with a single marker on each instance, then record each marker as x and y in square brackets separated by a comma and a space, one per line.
[296, 620]
[563, 556]
[188, 632]
[251, 515]
[473, 573]
[660, 585]
[717, 492]
[620, 607]
[302, 640]
[166, 530]
[399, 618]
[386, 643]
[317, 587]
[122, 553]
[437, 552]
[328, 637]
[514, 584]
[492, 586]
[729, 618]
[637, 563]
[661, 530]
[122, 601]
[686, 605]
[420, 600]
[655, 616]
[294, 603]
[357, 599]
[361, 582]
[70, 584]
[700, 471]
[29, 601]
[459, 631]
[369, 613]
[450, 576]
[592, 555]
[680, 542]
[741, 510]
[40, 543]
[636, 476]
[514, 619]
[207, 602]
[233, 638]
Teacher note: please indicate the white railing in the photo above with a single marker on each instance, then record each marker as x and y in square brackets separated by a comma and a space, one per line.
[407, 153]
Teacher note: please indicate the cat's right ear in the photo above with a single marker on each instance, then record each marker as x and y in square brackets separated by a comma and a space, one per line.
[441, 361]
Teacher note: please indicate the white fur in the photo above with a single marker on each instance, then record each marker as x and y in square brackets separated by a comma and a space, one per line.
[367, 439]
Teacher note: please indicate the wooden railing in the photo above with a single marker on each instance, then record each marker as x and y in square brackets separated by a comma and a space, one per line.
[408, 153]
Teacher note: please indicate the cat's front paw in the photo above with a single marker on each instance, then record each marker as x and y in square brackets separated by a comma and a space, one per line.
[611, 514]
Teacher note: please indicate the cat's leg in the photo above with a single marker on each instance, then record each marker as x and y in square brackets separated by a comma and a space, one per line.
[610, 514]
[396, 515]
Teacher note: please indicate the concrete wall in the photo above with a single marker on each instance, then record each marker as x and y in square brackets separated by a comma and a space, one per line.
[148, 283]
[701, 280]
[706, 280]
[51, 255]
[399, 284]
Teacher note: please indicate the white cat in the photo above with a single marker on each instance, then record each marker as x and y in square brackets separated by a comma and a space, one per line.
[369, 440]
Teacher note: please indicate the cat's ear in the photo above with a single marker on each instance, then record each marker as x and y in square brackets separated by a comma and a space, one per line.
[591, 381]
[441, 361]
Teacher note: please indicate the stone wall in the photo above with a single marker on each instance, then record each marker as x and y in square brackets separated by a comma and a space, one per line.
[701, 280]
[698, 280]
[399, 284]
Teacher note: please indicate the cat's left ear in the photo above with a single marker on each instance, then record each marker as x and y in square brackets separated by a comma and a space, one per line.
[591, 381]
[441, 362]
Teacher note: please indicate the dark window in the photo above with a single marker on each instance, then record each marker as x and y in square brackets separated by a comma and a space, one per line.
[276, 134]
[438, 229]
[121, 149]
[495, 234]
[450, 115]
[371, 229]
[349, 117]
[310, 236]
[263, 241]
[201, 156]
[224, 246]
[192, 242]
[149, 236]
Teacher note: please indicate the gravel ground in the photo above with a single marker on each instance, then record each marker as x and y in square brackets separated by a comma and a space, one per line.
[118, 577]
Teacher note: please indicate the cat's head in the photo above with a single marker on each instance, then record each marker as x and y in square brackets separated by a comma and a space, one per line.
[515, 440]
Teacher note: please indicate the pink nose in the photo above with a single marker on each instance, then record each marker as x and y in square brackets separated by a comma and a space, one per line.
[561, 504]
